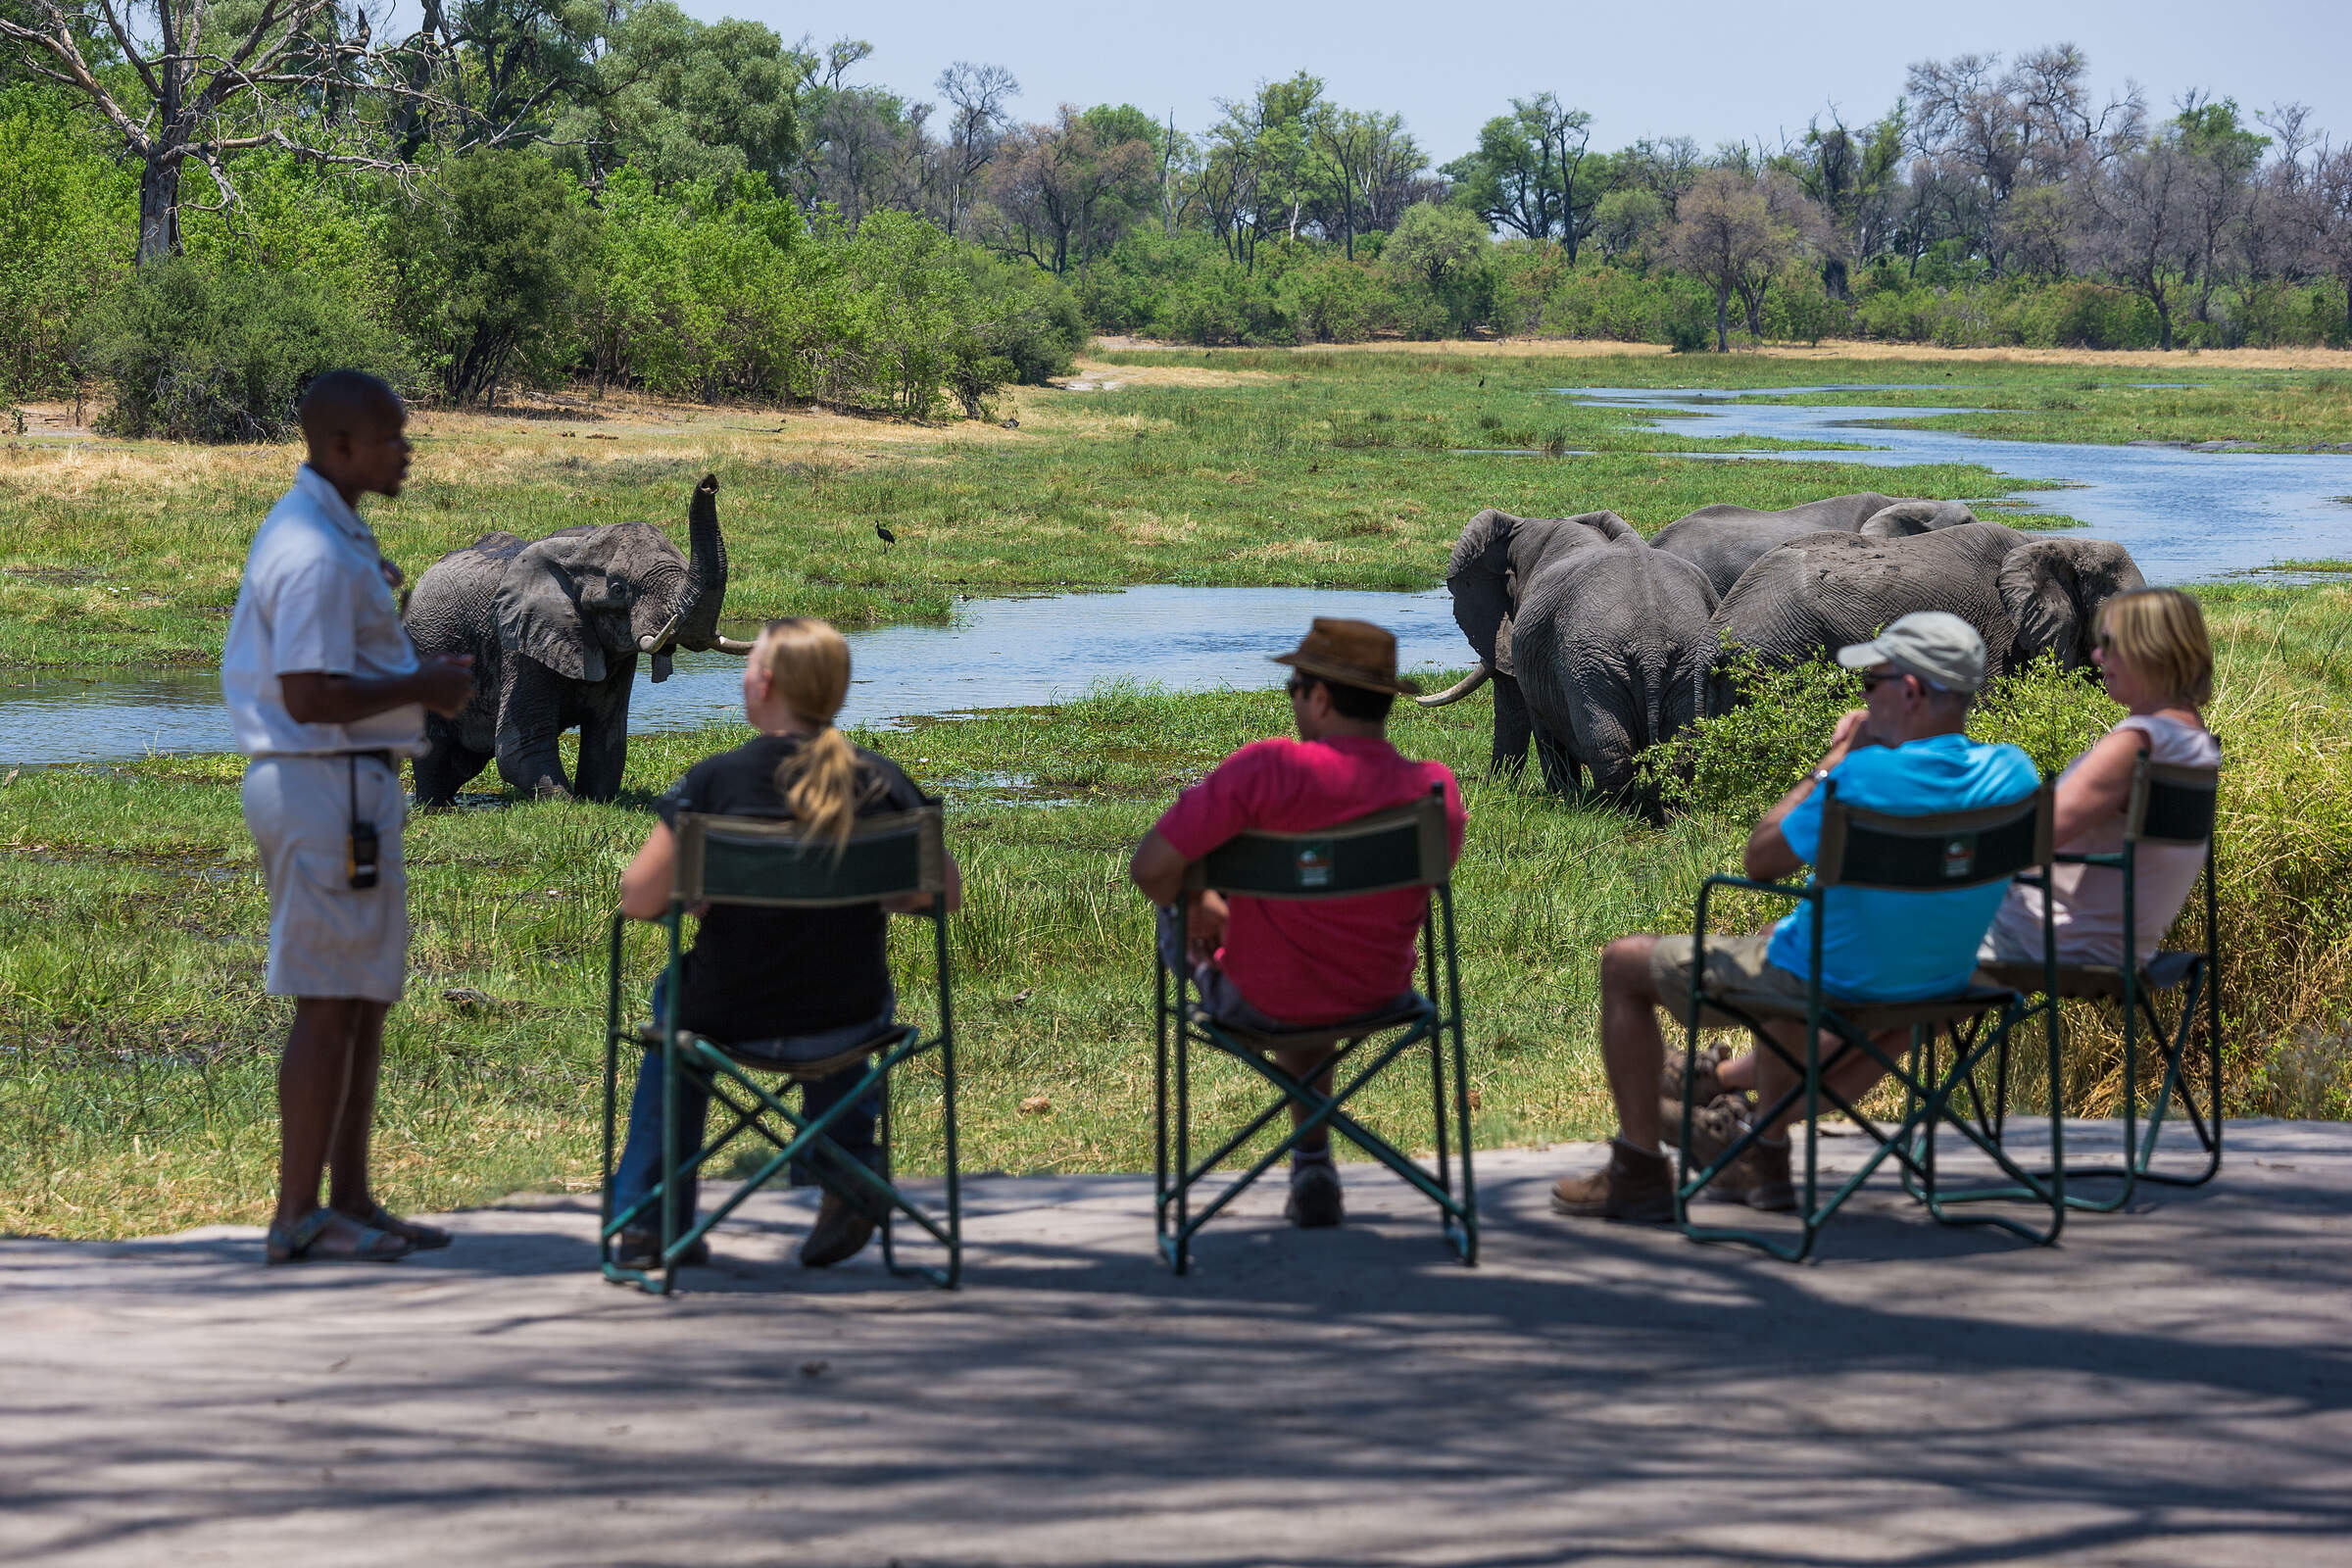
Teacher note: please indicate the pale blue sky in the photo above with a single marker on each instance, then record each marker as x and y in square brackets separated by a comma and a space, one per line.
[1705, 68]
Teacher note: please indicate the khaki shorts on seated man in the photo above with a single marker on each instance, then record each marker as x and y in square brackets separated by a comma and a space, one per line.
[1267, 964]
[1907, 753]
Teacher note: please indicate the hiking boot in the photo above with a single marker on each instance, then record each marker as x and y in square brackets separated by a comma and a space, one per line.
[1714, 1128]
[841, 1231]
[1772, 1190]
[1707, 1087]
[642, 1250]
[1315, 1202]
[1634, 1186]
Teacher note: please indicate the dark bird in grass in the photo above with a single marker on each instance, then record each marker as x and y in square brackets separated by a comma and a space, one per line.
[885, 535]
[1482, 382]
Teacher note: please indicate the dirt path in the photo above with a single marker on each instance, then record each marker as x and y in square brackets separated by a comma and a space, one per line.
[2168, 1386]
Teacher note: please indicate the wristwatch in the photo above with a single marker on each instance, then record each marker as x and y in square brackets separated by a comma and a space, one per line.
[1821, 776]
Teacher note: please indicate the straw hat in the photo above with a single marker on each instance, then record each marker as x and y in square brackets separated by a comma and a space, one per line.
[1351, 653]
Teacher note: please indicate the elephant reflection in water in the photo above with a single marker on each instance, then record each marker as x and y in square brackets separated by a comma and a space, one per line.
[556, 628]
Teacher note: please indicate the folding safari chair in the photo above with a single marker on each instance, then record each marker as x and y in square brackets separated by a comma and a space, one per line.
[2168, 804]
[772, 865]
[1405, 847]
[1864, 849]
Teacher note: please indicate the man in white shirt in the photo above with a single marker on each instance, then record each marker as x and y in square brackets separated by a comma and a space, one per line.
[327, 695]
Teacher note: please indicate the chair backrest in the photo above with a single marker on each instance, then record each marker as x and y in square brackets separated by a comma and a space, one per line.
[764, 860]
[1932, 853]
[1402, 846]
[2170, 803]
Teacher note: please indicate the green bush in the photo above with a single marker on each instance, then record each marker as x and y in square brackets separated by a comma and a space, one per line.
[199, 354]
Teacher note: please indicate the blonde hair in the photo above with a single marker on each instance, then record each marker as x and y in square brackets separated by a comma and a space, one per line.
[808, 663]
[2161, 632]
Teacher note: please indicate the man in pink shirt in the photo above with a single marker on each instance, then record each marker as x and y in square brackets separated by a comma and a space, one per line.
[1266, 964]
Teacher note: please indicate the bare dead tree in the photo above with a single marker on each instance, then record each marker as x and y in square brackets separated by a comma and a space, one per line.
[978, 95]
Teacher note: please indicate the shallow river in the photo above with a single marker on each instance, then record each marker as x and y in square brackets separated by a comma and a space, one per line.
[1001, 652]
[2185, 517]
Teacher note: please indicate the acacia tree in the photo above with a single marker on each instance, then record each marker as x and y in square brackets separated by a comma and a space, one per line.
[204, 88]
[1725, 231]
[1064, 191]
[2141, 207]
[1528, 174]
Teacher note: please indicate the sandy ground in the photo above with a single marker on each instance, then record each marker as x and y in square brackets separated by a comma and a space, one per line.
[2171, 1385]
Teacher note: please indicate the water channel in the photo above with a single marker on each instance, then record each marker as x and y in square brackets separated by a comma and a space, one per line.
[999, 653]
[2185, 515]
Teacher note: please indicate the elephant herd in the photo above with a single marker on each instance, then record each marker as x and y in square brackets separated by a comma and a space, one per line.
[1600, 643]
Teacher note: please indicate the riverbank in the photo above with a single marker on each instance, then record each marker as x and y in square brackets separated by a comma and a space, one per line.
[1241, 468]
[140, 1052]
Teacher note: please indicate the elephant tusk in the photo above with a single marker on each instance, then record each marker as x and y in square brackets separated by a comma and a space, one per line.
[728, 645]
[659, 639]
[1460, 689]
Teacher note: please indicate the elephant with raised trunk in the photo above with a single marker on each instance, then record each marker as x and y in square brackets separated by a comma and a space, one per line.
[2026, 596]
[1724, 541]
[556, 628]
[1596, 645]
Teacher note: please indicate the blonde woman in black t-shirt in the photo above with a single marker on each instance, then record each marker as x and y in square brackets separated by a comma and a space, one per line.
[805, 984]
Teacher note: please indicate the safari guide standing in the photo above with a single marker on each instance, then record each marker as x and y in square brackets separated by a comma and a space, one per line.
[327, 695]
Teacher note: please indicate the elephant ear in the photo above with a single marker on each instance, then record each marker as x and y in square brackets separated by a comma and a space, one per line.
[543, 596]
[1608, 525]
[1907, 518]
[2040, 595]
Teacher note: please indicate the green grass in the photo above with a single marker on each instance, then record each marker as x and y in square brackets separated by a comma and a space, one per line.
[137, 1052]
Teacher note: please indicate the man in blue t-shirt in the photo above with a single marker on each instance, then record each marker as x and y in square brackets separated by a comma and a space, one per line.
[1907, 753]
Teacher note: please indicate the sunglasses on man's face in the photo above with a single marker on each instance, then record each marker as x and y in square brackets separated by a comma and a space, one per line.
[1873, 679]
[1298, 686]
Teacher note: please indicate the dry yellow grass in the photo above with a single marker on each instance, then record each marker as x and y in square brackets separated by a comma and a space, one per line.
[1829, 349]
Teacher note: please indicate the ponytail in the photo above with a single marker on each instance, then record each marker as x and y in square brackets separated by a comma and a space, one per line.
[808, 664]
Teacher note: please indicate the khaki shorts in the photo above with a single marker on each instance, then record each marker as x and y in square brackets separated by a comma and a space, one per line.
[1733, 963]
[327, 938]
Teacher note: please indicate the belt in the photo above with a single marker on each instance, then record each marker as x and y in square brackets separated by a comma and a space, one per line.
[381, 755]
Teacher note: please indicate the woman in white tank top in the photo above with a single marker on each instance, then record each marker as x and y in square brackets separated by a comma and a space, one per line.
[2158, 665]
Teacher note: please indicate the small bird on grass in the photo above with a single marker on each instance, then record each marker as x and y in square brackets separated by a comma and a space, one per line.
[885, 535]
[1482, 380]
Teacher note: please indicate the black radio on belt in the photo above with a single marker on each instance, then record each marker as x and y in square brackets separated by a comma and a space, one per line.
[358, 867]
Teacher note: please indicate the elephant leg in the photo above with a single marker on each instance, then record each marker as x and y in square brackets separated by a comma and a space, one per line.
[1513, 728]
[603, 753]
[448, 766]
[530, 720]
[1563, 774]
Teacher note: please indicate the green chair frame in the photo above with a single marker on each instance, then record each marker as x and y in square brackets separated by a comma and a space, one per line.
[1865, 848]
[1404, 846]
[770, 863]
[2174, 805]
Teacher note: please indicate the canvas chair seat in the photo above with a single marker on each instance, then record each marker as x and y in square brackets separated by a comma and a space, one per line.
[2101, 982]
[1876, 1018]
[761, 1056]
[1325, 1036]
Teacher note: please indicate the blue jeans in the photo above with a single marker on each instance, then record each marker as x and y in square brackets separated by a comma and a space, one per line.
[640, 1165]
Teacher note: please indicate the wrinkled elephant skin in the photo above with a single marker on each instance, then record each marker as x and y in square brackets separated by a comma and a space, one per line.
[1723, 541]
[556, 628]
[1596, 645]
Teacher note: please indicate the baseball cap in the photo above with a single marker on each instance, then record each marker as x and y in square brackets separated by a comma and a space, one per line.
[1936, 644]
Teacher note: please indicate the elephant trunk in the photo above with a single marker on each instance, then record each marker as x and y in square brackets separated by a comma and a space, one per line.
[705, 569]
[1459, 689]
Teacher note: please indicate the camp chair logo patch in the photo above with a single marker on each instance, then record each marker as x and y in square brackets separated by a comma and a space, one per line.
[1314, 865]
[1959, 856]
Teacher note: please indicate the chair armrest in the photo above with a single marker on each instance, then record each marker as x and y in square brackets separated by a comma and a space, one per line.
[1786, 890]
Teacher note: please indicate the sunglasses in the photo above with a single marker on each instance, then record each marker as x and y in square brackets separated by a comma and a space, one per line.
[1873, 679]
[1297, 685]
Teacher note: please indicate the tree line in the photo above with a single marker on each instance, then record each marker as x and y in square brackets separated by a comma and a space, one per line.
[195, 196]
